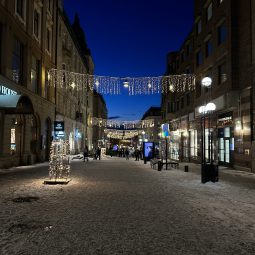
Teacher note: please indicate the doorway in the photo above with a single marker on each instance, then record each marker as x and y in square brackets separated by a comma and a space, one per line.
[225, 145]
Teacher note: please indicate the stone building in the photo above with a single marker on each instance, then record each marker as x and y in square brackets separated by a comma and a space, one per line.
[220, 46]
[75, 109]
[27, 104]
[99, 111]
[151, 132]
[36, 36]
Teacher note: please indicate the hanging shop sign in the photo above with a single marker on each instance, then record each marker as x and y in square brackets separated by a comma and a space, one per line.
[6, 91]
[59, 126]
[225, 121]
[165, 130]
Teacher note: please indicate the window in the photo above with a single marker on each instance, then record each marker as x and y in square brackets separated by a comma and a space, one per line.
[222, 33]
[168, 107]
[35, 66]
[188, 71]
[20, 9]
[188, 50]
[37, 24]
[182, 102]
[188, 99]
[50, 6]
[222, 73]
[208, 48]
[182, 57]
[17, 61]
[209, 12]
[193, 143]
[199, 58]
[199, 26]
[47, 85]
[48, 40]
[198, 89]
[178, 105]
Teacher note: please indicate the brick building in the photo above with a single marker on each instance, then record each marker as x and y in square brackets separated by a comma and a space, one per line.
[221, 46]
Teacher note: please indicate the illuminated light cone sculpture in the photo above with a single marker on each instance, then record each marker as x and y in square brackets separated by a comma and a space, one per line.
[59, 165]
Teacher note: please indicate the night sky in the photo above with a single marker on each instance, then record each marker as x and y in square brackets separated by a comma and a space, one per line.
[130, 38]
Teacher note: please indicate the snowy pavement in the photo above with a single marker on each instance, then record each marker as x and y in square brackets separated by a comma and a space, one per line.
[114, 206]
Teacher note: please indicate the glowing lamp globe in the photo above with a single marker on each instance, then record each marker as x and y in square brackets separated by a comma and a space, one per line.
[202, 109]
[206, 82]
[210, 107]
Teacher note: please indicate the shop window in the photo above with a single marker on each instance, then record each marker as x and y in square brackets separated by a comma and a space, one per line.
[193, 143]
[17, 61]
[222, 33]
[13, 138]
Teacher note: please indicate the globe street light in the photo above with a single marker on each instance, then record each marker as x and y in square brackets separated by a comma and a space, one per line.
[208, 170]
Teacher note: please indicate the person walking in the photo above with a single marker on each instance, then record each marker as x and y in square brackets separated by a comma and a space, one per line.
[137, 154]
[127, 153]
[98, 153]
[86, 154]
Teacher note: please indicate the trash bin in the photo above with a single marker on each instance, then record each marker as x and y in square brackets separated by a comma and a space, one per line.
[160, 165]
[186, 169]
[209, 172]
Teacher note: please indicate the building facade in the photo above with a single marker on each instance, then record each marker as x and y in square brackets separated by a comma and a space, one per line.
[151, 132]
[27, 104]
[74, 108]
[220, 46]
[99, 111]
[35, 36]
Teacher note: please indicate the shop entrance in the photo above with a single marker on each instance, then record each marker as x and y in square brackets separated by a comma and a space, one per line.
[225, 146]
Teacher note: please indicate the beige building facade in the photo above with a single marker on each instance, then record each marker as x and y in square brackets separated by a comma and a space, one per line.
[27, 104]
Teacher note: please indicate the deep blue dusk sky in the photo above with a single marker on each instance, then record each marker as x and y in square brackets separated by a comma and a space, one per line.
[132, 38]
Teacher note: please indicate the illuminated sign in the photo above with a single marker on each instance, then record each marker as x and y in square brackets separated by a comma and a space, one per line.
[6, 91]
[59, 126]
[165, 130]
[148, 150]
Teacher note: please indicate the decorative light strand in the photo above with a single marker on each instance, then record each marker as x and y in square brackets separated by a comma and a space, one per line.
[59, 164]
[107, 85]
[120, 134]
[111, 124]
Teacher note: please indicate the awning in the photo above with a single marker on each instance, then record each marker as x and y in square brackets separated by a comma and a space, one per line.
[16, 104]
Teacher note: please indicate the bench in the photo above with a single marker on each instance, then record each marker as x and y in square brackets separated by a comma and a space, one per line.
[154, 162]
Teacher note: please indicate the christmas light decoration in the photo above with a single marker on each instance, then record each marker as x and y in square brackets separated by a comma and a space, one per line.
[124, 124]
[113, 85]
[120, 134]
[59, 163]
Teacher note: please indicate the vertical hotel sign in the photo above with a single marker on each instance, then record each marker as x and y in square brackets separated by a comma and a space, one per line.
[6, 91]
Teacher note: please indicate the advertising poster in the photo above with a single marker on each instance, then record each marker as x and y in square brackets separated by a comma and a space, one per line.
[148, 149]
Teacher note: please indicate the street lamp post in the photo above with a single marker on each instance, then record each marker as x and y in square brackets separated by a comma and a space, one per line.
[208, 170]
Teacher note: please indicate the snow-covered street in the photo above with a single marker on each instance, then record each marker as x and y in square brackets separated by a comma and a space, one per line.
[114, 206]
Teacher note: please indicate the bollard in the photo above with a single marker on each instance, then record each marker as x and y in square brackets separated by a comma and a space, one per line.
[186, 169]
[160, 165]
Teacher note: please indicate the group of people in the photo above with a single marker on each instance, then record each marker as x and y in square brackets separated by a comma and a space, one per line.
[97, 153]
